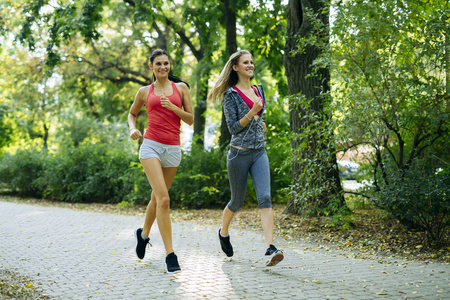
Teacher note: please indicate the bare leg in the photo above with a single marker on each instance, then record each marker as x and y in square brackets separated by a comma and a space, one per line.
[267, 225]
[150, 216]
[160, 180]
[226, 220]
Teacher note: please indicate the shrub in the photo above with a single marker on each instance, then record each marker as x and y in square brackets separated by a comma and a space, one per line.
[20, 171]
[88, 173]
[419, 198]
[201, 181]
[136, 185]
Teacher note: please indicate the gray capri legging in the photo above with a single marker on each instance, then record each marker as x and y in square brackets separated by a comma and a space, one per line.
[239, 164]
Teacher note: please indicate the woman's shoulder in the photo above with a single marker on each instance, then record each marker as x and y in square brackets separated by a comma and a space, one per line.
[230, 90]
[260, 89]
[145, 89]
[143, 92]
[180, 85]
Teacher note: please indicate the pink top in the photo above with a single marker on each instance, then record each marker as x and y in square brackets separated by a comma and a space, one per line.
[247, 99]
[163, 124]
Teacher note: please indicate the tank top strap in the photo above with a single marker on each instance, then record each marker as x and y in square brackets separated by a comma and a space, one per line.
[175, 89]
[150, 92]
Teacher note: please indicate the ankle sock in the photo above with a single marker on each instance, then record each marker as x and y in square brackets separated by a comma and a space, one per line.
[224, 236]
[143, 236]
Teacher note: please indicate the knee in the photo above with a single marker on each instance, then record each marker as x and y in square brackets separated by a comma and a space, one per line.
[163, 202]
[265, 201]
[234, 206]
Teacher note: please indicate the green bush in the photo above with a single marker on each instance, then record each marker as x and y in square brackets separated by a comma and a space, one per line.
[99, 173]
[278, 148]
[419, 198]
[88, 173]
[201, 181]
[136, 184]
[20, 171]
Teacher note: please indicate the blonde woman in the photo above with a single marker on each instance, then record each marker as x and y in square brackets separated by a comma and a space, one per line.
[243, 106]
[167, 101]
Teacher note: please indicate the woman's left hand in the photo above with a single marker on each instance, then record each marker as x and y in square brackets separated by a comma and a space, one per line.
[165, 102]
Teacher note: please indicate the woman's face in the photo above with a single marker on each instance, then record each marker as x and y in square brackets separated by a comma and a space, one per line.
[161, 66]
[245, 66]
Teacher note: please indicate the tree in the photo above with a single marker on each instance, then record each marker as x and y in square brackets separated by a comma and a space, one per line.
[32, 100]
[63, 22]
[391, 58]
[230, 16]
[316, 187]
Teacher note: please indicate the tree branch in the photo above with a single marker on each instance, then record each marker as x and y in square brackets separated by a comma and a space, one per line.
[356, 193]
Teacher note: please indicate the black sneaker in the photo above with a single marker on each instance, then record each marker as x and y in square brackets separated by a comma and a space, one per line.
[273, 256]
[172, 263]
[226, 245]
[141, 243]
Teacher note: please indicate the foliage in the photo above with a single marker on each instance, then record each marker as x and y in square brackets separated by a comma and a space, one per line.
[5, 128]
[314, 180]
[419, 198]
[201, 181]
[265, 27]
[394, 103]
[88, 173]
[84, 62]
[19, 172]
[316, 188]
[277, 144]
[391, 70]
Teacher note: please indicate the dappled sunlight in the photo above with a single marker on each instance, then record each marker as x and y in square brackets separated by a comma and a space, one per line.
[203, 275]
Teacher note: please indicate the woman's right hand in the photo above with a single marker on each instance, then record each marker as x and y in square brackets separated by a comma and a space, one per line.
[257, 106]
[135, 134]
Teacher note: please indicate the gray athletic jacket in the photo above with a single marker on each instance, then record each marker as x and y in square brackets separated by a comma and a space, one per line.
[235, 108]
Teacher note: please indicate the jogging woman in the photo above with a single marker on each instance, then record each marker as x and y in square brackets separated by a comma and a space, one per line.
[167, 101]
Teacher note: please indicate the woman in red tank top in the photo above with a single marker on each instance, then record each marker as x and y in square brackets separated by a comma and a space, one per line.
[167, 101]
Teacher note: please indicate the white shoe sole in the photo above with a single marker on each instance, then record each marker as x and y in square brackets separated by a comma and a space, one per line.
[275, 259]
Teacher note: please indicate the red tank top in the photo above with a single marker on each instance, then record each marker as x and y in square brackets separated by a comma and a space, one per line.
[163, 124]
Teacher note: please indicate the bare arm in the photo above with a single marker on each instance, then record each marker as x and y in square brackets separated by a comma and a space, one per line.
[138, 102]
[184, 113]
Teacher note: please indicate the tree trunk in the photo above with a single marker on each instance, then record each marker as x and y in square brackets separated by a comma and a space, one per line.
[297, 67]
[231, 47]
[200, 111]
[45, 137]
[447, 62]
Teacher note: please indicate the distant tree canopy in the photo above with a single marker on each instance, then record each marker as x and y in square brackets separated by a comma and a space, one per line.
[112, 39]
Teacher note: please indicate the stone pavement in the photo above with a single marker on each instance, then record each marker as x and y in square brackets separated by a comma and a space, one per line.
[87, 255]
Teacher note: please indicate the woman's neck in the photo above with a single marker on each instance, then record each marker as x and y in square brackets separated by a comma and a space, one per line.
[244, 85]
[162, 82]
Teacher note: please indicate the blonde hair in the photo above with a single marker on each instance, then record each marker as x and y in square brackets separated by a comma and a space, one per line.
[228, 77]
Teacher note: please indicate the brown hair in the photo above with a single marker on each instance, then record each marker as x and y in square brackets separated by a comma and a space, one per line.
[172, 77]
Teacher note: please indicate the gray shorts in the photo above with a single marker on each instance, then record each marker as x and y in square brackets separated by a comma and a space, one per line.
[168, 155]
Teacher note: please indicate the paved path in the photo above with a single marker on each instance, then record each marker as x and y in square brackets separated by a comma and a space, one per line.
[87, 255]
